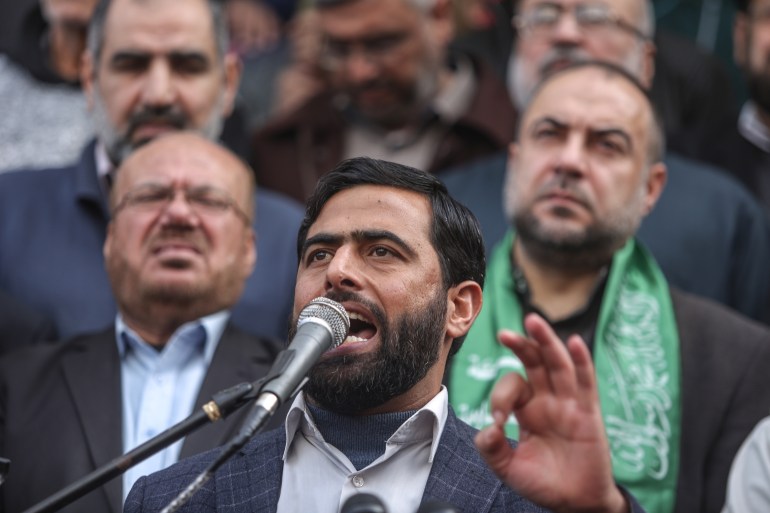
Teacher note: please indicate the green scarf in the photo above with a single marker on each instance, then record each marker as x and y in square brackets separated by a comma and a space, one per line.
[636, 355]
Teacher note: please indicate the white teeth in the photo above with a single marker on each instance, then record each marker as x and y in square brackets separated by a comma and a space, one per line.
[354, 315]
[351, 338]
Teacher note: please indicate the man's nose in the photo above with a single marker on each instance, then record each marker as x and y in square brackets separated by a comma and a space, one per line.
[178, 210]
[567, 30]
[342, 272]
[573, 158]
[159, 88]
[360, 67]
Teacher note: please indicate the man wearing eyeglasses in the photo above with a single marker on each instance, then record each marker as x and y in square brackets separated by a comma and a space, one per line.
[178, 251]
[732, 246]
[393, 92]
[139, 85]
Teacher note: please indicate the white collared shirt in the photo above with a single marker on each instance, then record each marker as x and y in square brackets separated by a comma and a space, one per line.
[317, 477]
[159, 388]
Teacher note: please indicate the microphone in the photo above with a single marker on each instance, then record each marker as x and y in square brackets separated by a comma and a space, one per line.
[363, 503]
[322, 325]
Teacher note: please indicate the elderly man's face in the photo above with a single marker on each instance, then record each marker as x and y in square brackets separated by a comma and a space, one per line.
[579, 178]
[385, 56]
[370, 250]
[553, 33]
[181, 232]
[159, 70]
[751, 45]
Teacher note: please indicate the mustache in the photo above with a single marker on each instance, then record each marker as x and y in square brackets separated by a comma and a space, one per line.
[157, 115]
[561, 56]
[564, 185]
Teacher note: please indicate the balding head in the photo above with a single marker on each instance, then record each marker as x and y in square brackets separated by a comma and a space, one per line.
[180, 245]
[583, 172]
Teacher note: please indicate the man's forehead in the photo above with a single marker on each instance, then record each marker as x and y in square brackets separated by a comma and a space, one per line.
[159, 26]
[169, 164]
[593, 92]
[355, 16]
[630, 7]
[366, 207]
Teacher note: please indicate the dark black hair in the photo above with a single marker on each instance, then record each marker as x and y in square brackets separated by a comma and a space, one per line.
[455, 232]
[742, 5]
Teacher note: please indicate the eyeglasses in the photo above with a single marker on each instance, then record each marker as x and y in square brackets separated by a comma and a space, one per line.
[376, 49]
[591, 18]
[205, 201]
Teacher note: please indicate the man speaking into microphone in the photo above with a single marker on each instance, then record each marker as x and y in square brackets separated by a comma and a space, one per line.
[406, 261]
[178, 251]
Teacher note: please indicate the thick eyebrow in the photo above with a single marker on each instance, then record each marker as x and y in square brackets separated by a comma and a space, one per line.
[619, 132]
[601, 132]
[547, 120]
[359, 236]
[175, 56]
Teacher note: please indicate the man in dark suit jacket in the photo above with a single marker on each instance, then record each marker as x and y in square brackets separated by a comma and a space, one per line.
[407, 263]
[53, 221]
[682, 380]
[178, 251]
[20, 326]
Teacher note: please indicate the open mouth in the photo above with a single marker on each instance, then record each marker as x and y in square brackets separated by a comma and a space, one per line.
[361, 330]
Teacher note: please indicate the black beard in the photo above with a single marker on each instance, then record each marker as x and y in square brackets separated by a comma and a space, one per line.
[587, 251]
[758, 84]
[410, 346]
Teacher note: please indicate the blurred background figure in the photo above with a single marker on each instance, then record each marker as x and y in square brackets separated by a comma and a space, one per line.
[743, 145]
[44, 118]
[377, 78]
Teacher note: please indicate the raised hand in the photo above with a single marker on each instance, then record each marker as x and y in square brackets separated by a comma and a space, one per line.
[562, 460]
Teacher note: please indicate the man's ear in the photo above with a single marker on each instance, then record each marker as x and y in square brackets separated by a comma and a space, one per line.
[251, 253]
[463, 305]
[232, 79]
[87, 70]
[442, 18]
[648, 64]
[107, 247]
[740, 35]
[655, 184]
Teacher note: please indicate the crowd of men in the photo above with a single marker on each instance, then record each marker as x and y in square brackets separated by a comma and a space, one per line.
[554, 270]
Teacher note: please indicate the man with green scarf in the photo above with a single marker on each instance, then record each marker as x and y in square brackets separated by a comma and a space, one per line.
[681, 381]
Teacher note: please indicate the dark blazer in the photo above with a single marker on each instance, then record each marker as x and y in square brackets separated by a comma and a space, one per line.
[61, 416]
[458, 476]
[292, 152]
[53, 223]
[20, 326]
[725, 393]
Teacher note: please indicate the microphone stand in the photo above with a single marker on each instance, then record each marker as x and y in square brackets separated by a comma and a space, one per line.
[222, 404]
[264, 407]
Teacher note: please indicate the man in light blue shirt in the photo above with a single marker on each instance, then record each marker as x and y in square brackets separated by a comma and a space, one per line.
[178, 251]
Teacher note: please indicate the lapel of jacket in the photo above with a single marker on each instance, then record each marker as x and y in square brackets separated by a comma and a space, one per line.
[458, 475]
[258, 470]
[92, 374]
[238, 358]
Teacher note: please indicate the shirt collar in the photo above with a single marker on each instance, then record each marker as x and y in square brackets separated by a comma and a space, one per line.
[427, 422]
[104, 167]
[213, 327]
[751, 127]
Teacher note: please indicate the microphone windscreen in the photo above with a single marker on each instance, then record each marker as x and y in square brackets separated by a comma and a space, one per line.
[363, 503]
[330, 312]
